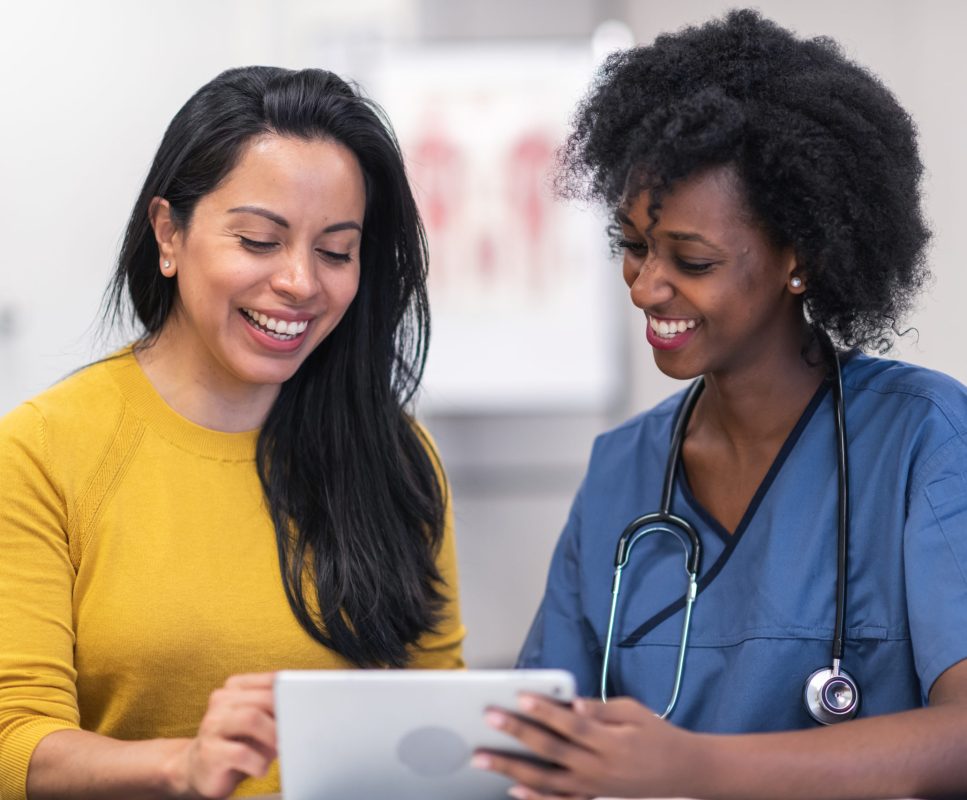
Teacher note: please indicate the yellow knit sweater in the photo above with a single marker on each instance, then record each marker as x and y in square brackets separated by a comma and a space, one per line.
[138, 570]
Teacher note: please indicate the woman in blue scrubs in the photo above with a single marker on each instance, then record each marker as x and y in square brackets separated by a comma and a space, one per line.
[766, 194]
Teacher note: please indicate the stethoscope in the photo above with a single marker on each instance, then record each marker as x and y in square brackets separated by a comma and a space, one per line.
[830, 694]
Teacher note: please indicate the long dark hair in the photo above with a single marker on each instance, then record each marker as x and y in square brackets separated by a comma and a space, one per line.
[351, 484]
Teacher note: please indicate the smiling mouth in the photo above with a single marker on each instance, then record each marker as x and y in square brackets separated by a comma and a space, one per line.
[276, 328]
[668, 329]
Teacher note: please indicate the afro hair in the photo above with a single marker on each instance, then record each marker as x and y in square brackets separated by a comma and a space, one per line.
[826, 156]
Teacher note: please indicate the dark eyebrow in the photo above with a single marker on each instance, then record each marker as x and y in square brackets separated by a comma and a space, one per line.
[623, 218]
[343, 226]
[680, 236]
[262, 212]
[282, 222]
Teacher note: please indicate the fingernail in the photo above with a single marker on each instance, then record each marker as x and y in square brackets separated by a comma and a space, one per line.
[495, 719]
[580, 706]
[481, 761]
[527, 703]
[518, 791]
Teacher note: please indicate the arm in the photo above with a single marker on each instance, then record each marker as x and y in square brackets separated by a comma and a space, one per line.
[236, 739]
[42, 751]
[621, 749]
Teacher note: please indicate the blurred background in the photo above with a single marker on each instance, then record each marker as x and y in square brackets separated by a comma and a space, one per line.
[535, 346]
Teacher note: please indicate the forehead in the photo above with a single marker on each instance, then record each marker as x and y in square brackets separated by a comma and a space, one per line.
[712, 199]
[292, 175]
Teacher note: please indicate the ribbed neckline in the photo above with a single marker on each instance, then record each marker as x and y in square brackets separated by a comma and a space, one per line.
[168, 423]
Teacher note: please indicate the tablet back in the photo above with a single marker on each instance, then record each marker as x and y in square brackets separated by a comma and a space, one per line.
[400, 734]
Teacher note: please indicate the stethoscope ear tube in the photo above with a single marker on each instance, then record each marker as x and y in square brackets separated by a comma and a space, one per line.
[662, 520]
[645, 524]
[653, 523]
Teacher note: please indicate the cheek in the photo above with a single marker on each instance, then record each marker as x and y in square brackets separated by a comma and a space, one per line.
[347, 287]
[629, 271]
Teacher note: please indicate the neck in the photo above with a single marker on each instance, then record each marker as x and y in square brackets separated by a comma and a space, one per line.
[761, 402]
[198, 391]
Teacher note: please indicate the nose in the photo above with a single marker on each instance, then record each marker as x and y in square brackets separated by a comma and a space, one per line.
[297, 278]
[649, 281]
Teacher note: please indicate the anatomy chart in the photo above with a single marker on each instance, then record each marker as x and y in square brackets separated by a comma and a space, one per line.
[521, 282]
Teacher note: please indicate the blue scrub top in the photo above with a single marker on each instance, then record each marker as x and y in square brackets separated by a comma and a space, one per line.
[763, 620]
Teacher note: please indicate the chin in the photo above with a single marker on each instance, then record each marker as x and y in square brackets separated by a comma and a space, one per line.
[676, 368]
[272, 374]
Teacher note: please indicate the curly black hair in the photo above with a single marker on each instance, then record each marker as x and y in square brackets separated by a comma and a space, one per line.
[827, 157]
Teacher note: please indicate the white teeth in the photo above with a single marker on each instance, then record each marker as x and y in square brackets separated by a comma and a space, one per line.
[668, 329]
[278, 329]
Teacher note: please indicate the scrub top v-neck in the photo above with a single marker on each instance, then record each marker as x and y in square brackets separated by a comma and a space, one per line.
[764, 617]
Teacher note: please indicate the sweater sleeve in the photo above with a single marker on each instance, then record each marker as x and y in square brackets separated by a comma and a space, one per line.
[37, 677]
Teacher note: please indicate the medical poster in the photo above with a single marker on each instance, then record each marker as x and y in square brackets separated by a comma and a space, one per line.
[521, 282]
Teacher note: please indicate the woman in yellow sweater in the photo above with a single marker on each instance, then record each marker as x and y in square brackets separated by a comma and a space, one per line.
[241, 490]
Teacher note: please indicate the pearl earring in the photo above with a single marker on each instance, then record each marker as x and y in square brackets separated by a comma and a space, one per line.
[167, 264]
[795, 282]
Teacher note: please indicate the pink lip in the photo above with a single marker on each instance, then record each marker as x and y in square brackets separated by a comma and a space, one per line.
[269, 343]
[669, 342]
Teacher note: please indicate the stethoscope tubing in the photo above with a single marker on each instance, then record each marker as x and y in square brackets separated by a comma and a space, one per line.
[662, 519]
[691, 568]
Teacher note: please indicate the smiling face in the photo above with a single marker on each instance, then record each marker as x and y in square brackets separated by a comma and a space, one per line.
[267, 266]
[715, 290]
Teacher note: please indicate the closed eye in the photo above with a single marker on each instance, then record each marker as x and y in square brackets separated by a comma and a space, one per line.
[340, 258]
[256, 245]
[694, 266]
[639, 249]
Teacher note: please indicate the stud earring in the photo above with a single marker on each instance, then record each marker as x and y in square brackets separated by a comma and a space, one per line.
[795, 282]
[168, 264]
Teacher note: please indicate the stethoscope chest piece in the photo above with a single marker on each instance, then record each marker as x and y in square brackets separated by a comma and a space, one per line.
[831, 696]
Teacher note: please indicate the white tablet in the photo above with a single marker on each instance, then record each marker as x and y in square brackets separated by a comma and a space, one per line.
[400, 734]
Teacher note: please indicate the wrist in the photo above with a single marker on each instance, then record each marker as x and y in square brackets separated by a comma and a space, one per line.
[700, 764]
[173, 774]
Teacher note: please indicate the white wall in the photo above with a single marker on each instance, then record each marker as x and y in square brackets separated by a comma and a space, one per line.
[89, 86]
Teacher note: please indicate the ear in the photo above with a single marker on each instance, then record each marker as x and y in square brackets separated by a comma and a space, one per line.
[795, 274]
[165, 234]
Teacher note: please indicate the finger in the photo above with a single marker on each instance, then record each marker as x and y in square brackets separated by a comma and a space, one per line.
[230, 698]
[270, 753]
[544, 780]
[243, 722]
[243, 758]
[251, 680]
[559, 718]
[218, 766]
[614, 712]
[541, 741]
[524, 793]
